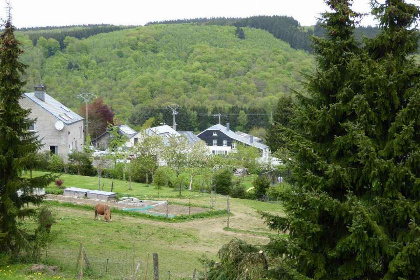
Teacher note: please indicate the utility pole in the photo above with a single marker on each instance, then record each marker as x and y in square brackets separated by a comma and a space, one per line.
[217, 115]
[86, 96]
[174, 113]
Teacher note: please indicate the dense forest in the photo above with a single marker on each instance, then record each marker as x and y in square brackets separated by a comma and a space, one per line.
[221, 66]
[150, 67]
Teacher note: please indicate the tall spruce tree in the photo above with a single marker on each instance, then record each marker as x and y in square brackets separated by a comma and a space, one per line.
[17, 150]
[353, 212]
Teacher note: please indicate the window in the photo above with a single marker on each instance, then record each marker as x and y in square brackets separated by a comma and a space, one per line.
[214, 133]
[224, 142]
[136, 140]
[214, 142]
[32, 127]
[233, 145]
[54, 150]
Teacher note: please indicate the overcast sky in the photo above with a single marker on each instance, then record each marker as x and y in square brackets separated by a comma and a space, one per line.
[31, 13]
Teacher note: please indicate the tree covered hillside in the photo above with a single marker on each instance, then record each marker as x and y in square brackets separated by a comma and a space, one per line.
[191, 65]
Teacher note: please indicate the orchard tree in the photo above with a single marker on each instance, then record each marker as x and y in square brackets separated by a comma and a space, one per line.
[148, 152]
[176, 155]
[197, 159]
[354, 155]
[17, 148]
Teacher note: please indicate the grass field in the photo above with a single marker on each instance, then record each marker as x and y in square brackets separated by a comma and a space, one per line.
[114, 248]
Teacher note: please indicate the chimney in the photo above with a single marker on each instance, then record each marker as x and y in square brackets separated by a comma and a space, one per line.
[251, 139]
[40, 92]
[227, 126]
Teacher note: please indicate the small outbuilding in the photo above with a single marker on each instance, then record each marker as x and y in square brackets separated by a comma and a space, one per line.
[91, 194]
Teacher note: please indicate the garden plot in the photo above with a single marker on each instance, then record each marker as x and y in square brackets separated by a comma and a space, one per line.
[131, 204]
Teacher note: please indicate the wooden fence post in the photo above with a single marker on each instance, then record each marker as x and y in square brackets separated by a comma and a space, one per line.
[155, 266]
[86, 258]
[134, 255]
[189, 206]
[193, 278]
[228, 211]
[211, 203]
[167, 209]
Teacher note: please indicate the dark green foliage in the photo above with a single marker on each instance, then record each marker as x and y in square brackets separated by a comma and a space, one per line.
[238, 190]
[238, 260]
[60, 33]
[261, 185]
[55, 164]
[223, 182]
[282, 27]
[82, 162]
[354, 153]
[240, 33]
[282, 119]
[17, 151]
[43, 236]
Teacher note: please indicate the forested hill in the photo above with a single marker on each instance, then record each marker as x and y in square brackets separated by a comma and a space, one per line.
[196, 66]
[60, 33]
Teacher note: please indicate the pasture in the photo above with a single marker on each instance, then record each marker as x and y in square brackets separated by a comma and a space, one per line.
[115, 248]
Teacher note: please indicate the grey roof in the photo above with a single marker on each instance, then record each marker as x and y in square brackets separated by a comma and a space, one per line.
[192, 138]
[246, 135]
[127, 131]
[236, 137]
[55, 108]
[163, 130]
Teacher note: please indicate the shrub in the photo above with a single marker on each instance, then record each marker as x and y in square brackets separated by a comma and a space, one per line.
[55, 164]
[161, 177]
[261, 185]
[238, 191]
[223, 182]
[82, 162]
[58, 183]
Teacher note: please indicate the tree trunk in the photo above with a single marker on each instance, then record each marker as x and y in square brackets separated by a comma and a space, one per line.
[191, 180]
[147, 177]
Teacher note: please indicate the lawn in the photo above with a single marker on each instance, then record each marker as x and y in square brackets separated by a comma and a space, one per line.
[114, 248]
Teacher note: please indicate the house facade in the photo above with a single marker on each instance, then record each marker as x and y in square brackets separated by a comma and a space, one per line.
[102, 141]
[59, 129]
[222, 140]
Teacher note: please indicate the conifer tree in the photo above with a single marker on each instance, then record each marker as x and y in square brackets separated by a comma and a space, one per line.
[354, 154]
[17, 149]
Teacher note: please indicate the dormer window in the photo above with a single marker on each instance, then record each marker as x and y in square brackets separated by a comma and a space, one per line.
[214, 133]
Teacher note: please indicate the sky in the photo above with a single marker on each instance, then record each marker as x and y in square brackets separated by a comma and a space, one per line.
[33, 13]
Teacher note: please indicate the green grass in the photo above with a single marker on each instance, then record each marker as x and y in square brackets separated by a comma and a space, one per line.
[179, 243]
[178, 218]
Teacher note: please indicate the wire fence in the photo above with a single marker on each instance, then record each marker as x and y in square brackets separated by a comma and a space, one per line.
[119, 264]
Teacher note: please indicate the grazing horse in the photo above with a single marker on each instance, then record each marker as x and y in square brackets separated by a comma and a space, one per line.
[103, 209]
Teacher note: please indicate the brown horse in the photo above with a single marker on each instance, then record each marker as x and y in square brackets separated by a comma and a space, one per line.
[103, 209]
